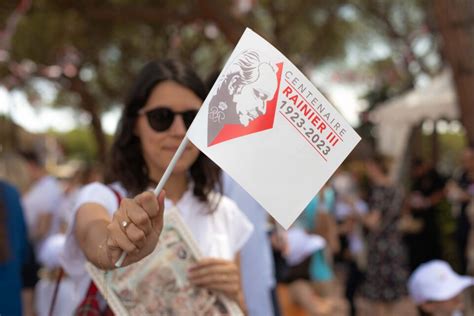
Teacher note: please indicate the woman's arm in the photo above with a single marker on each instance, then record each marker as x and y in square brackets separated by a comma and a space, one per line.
[42, 226]
[90, 230]
[372, 220]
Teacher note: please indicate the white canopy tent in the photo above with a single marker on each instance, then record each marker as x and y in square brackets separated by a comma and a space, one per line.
[396, 118]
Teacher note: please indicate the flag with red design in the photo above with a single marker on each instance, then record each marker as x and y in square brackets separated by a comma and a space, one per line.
[270, 129]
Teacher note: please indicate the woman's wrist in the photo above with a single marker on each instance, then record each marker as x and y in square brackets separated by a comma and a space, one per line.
[241, 301]
[95, 247]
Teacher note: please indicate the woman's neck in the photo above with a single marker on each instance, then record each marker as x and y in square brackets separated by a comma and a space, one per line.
[175, 187]
[383, 180]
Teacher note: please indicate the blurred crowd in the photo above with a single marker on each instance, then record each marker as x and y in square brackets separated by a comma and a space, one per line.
[351, 251]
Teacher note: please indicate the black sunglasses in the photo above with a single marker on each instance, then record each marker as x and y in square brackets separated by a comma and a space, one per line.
[161, 118]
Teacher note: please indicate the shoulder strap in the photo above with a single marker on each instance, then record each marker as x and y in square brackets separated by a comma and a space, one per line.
[117, 195]
[55, 293]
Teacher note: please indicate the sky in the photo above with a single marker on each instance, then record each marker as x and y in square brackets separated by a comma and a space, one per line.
[38, 119]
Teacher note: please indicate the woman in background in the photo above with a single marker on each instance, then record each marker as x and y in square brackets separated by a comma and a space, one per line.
[13, 250]
[387, 271]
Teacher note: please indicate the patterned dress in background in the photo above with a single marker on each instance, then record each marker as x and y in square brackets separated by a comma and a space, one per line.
[387, 271]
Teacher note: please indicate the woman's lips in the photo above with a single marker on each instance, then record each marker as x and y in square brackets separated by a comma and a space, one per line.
[175, 148]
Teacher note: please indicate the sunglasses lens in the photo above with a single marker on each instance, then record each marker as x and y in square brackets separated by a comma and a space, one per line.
[160, 119]
[188, 117]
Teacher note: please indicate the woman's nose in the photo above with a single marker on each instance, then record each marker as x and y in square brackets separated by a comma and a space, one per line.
[178, 127]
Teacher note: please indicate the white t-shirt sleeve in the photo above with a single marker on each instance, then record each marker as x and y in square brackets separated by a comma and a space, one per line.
[239, 228]
[46, 196]
[73, 259]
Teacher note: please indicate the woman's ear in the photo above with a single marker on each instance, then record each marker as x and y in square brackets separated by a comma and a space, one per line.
[233, 85]
[135, 129]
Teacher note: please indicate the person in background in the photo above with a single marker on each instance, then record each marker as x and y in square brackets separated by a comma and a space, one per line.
[13, 169]
[350, 208]
[41, 201]
[258, 277]
[461, 192]
[65, 297]
[85, 174]
[13, 250]
[310, 280]
[437, 290]
[40, 204]
[427, 191]
[386, 273]
[258, 280]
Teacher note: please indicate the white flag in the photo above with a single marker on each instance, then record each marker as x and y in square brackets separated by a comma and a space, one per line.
[271, 130]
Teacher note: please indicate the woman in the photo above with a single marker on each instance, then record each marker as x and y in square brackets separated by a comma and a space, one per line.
[387, 273]
[13, 250]
[161, 106]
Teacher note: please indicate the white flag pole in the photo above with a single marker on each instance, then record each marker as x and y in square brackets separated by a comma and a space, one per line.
[161, 184]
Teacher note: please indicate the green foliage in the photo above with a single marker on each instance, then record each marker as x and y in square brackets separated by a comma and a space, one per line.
[309, 32]
[78, 144]
[107, 41]
[451, 146]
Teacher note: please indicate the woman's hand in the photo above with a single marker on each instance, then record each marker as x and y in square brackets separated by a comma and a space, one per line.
[135, 227]
[218, 275]
[373, 219]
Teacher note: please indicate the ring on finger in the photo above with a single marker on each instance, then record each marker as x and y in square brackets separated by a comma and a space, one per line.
[124, 224]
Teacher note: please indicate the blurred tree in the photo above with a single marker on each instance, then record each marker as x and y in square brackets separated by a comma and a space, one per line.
[456, 24]
[406, 27]
[91, 49]
[424, 36]
[78, 143]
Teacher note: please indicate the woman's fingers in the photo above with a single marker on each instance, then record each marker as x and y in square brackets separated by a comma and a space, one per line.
[136, 236]
[118, 238]
[113, 250]
[216, 274]
[230, 288]
[212, 267]
[136, 227]
[217, 278]
[157, 221]
[148, 202]
[136, 214]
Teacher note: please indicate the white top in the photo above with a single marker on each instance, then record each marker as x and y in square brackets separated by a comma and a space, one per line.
[219, 234]
[42, 198]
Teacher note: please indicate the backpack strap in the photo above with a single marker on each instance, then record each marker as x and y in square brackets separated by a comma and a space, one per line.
[55, 293]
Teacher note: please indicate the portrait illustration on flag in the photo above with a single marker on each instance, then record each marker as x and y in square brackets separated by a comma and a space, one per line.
[246, 97]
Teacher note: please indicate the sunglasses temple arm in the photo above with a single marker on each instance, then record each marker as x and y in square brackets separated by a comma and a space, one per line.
[161, 184]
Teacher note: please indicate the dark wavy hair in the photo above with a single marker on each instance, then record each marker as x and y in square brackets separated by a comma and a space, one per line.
[127, 164]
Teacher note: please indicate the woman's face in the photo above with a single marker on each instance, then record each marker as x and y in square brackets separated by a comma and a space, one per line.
[445, 308]
[372, 169]
[159, 147]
